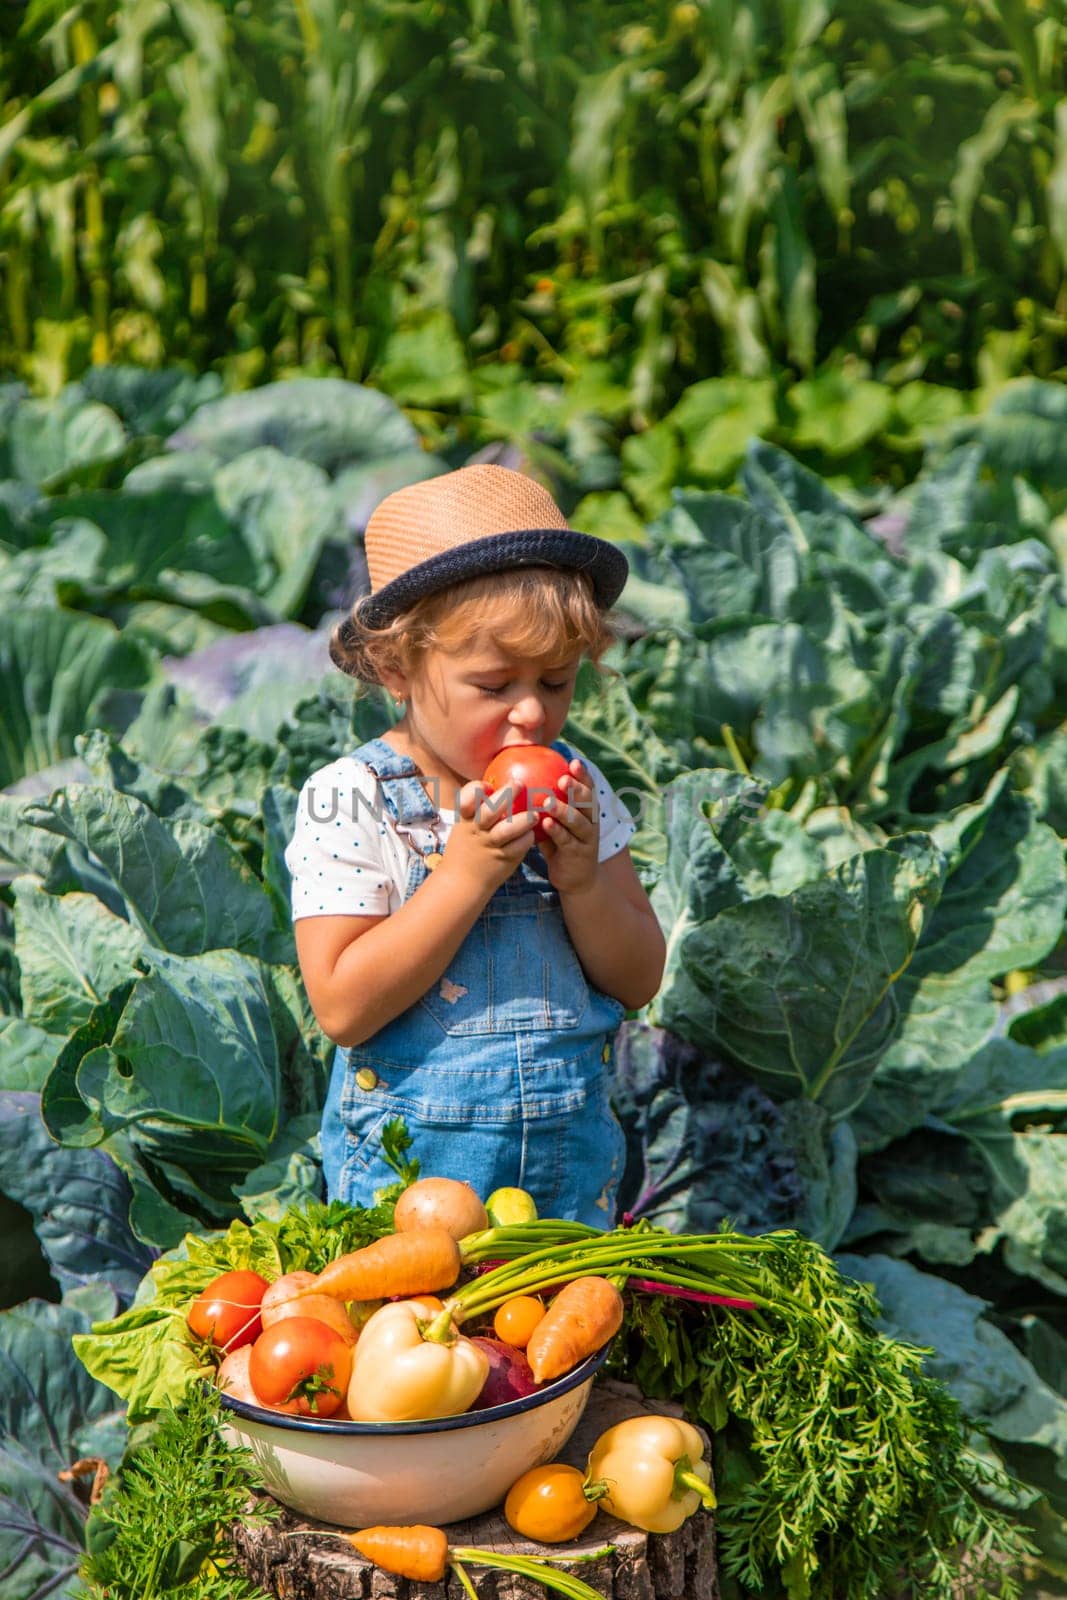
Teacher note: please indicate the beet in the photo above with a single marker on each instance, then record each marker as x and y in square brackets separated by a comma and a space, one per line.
[509, 1377]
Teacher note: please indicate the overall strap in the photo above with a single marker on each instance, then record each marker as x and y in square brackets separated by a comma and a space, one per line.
[405, 798]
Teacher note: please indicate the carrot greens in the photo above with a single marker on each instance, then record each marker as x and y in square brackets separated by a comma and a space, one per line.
[163, 1523]
[842, 1468]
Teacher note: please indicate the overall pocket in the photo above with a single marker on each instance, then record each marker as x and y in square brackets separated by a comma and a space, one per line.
[363, 1115]
[515, 972]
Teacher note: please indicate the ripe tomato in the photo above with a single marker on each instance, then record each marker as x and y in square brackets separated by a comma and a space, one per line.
[532, 772]
[227, 1312]
[516, 1319]
[549, 1504]
[301, 1365]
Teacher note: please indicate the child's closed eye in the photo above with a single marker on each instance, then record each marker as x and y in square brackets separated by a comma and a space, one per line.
[500, 688]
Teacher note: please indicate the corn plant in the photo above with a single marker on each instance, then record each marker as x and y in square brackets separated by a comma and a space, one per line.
[436, 195]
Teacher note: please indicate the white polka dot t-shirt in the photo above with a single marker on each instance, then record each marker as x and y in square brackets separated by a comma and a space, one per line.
[347, 858]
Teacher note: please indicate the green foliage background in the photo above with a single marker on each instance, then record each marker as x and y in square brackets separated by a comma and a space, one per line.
[435, 196]
[844, 739]
[615, 243]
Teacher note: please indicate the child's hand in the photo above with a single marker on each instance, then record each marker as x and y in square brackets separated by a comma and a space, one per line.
[572, 834]
[486, 844]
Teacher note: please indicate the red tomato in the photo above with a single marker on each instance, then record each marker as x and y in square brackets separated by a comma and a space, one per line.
[301, 1365]
[227, 1312]
[532, 772]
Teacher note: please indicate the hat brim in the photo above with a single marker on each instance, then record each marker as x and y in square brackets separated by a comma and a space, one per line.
[605, 564]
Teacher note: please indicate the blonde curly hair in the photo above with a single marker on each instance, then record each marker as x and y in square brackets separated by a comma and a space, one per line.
[532, 613]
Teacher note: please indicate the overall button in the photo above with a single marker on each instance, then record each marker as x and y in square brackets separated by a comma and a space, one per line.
[605, 1054]
[366, 1078]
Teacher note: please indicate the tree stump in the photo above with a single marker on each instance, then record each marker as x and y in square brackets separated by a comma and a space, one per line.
[627, 1564]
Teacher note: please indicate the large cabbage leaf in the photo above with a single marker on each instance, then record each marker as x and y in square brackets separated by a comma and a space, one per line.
[705, 1146]
[52, 1414]
[79, 1201]
[1001, 908]
[322, 420]
[190, 1077]
[797, 988]
[60, 674]
[182, 885]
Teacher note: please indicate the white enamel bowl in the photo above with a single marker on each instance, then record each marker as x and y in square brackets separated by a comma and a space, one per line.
[356, 1474]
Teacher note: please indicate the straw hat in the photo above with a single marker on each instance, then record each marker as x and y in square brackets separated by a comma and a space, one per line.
[479, 519]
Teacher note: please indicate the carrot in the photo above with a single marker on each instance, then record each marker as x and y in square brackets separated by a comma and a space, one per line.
[399, 1264]
[423, 1554]
[417, 1552]
[584, 1315]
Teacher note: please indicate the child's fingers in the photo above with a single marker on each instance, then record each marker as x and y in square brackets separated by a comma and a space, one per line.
[508, 829]
[577, 814]
[470, 798]
[578, 777]
[579, 792]
[487, 809]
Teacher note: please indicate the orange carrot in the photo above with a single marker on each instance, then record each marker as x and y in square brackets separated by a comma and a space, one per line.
[582, 1316]
[416, 1552]
[399, 1264]
[423, 1554]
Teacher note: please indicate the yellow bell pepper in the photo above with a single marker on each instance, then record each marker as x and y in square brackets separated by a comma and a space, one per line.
[653, 1470]
[411, 1364]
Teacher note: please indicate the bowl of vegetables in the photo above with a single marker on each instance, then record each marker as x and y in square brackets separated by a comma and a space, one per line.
[364, 1398]
[437, 1470]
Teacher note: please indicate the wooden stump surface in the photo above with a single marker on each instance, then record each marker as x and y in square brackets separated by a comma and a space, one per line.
[634, 1565]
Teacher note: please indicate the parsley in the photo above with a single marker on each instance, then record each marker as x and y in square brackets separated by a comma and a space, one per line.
[310, 1239]
[396, 1142]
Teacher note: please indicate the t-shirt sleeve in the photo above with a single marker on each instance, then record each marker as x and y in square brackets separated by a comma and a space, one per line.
[617, 827]
[334, 858]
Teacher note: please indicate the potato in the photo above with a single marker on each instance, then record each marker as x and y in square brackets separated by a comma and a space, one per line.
[285, 1299]
[232, 1376]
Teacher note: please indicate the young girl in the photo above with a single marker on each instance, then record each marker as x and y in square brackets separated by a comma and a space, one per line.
[473, 981]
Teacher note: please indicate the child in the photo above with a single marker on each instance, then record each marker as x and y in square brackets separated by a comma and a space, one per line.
[472, 981]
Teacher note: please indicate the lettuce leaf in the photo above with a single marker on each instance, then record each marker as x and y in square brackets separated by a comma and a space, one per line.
[147, 1355]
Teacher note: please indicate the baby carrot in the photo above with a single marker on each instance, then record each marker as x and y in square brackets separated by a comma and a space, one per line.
[582, 1316]
[423, 1554]
[399, 1264]
[417, 1552]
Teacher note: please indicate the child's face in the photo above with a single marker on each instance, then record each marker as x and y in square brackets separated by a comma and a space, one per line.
[465, 707]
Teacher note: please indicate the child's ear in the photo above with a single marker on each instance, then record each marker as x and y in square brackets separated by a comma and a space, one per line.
[396, 683]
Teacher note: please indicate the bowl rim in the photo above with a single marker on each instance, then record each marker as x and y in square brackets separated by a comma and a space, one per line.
[582, 1373]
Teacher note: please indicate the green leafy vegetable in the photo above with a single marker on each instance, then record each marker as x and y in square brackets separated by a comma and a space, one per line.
[829, 1507]
[59, 674]
[145, 1354]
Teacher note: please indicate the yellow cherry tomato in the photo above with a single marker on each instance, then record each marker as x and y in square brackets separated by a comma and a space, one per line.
[549, 1504]
[516, 1319]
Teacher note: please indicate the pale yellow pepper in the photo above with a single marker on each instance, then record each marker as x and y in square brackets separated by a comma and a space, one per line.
[411, 1364]
[654, 1472]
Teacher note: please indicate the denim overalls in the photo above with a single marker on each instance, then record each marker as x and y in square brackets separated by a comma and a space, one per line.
[501, 1069]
